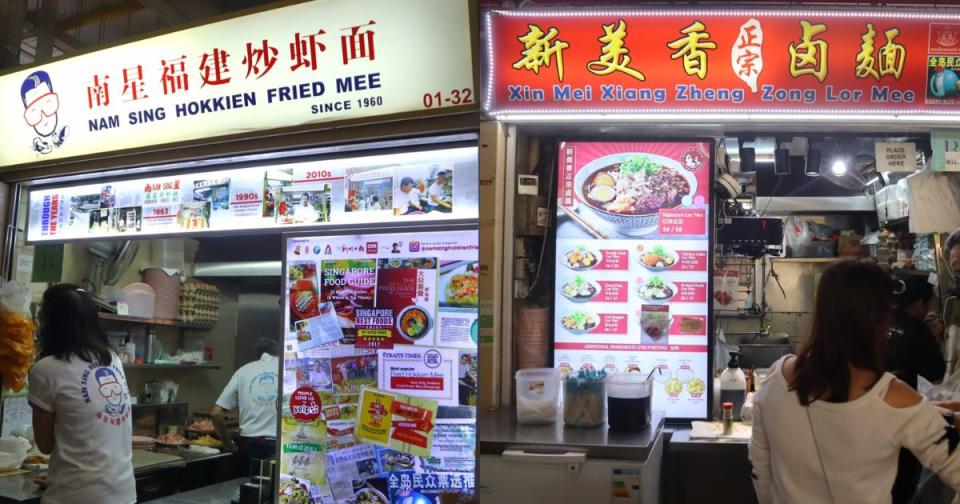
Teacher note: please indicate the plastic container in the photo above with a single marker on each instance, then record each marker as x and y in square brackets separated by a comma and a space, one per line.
[166, 286]
[538, 395]
[628, 401]
[140, 300]
[584, 399]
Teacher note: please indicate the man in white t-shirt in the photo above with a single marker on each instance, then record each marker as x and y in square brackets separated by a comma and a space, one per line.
[253, 390]
[436, 194]
[407, 199]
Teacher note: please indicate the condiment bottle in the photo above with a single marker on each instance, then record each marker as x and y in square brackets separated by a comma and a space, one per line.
[733, 385]
[727, 418]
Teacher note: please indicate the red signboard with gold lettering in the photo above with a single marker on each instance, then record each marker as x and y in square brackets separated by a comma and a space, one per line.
[700, 61]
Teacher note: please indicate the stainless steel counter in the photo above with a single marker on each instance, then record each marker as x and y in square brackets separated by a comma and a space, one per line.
[499, 431]
[220, 493]
[21, 489]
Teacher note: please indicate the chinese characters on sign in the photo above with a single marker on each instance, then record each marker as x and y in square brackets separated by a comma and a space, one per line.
[214, 66]
[539, 49]
[691, 48]
[655, 61]
[614, 57]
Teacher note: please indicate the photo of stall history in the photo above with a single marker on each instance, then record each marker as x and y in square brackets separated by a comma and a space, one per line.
[633, 256]
[380, 367]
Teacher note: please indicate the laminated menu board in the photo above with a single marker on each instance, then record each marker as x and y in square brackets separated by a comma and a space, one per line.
[633, 259]
[380, 351]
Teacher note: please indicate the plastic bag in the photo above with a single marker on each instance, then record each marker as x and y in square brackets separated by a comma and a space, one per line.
[948, 390]
[15, 297]
[13, 451]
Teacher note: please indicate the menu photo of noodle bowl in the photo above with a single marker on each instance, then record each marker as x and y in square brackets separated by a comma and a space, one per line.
[582, 258]
[579, 289]
[628, 189]
[655, 290]
[580, 322]
[657, 258]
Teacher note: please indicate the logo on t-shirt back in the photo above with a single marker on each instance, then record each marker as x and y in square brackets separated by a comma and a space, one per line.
[263, 389]
[109, 390]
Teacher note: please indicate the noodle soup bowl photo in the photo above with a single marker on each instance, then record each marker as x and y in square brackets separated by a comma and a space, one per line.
[629, 189]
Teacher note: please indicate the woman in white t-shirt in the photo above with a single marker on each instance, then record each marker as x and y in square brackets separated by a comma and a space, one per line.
[829, 423]
[81, 404]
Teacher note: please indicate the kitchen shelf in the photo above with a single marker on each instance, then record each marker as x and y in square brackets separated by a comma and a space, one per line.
[807, 259]
[896, 223]
[152, 322]
[160, 405]
[737, 314]
[170, 366]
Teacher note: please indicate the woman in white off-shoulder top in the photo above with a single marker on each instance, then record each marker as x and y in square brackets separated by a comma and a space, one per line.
[829, 423]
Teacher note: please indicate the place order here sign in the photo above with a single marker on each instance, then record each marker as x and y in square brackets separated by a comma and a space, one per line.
[307, 63]
[732, 61]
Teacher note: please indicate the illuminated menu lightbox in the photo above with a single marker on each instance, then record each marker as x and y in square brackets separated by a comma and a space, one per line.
[403, 187]
[633, 262]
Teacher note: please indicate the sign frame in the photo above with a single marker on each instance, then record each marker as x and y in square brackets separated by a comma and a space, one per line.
[283, 137]
[451, 143]
[496, 104]
[710, 238]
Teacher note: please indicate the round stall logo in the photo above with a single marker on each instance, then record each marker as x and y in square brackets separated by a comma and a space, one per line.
[693, 159]
[305, 404]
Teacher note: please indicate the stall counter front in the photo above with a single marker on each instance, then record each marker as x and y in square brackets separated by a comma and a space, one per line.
[553, 463]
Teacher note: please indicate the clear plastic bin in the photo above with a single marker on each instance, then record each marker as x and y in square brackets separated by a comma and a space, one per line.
[584, 401]
[538, 395]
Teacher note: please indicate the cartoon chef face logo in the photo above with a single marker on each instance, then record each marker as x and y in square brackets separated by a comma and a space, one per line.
[263, 389]
[40, 106]
[110, 388]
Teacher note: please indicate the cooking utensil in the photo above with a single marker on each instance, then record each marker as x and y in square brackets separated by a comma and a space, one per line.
[589, 228]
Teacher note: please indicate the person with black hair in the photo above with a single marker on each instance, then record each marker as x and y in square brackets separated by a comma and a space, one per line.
[253, 390]
[952, 248]
[81, 404]
[407, 199]
[913, 350]
[829, 423]
[436, 194]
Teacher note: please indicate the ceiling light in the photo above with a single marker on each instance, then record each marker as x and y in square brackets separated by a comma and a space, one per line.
[812, 164]
[839, 167]
[781, 166]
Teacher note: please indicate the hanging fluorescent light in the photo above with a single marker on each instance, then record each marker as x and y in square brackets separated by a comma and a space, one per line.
[872, 181]
[812, 163]
[839, 167]
[781, 165]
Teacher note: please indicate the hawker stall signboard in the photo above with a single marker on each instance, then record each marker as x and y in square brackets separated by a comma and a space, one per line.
[380, 367]
[398, 187]
[633, 263]
[313, 62]
[711, 62]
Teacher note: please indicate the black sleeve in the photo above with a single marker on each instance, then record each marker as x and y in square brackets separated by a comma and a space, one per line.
[929, 355]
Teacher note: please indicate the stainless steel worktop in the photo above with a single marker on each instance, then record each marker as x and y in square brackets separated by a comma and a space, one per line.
[499, 431]
[220, 493]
